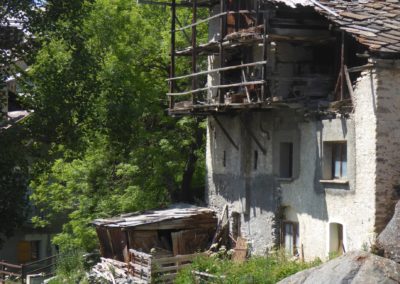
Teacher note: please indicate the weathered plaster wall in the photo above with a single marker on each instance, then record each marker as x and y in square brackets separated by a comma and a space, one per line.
[362, 204]
[246, 190]
[387, 74]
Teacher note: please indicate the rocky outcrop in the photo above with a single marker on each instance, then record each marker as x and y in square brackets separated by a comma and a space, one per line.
[389, 240]
[354, 267]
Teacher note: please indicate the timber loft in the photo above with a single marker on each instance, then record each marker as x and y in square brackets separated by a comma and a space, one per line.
[262, 54]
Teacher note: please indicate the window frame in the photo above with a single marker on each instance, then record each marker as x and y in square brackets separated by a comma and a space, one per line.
[335, 162]
[295, 235]
[341, 149]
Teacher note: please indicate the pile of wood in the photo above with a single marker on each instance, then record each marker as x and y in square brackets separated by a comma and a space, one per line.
[110, 271]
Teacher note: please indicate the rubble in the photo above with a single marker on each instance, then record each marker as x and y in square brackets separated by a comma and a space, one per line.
[110, 271]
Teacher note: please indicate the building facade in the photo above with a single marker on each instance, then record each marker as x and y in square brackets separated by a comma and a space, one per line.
[302, 101]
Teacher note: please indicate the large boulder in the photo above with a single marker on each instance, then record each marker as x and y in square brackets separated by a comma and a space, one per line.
[389, 240]
[353, 267]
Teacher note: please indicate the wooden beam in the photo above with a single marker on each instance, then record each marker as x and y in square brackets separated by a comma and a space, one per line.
[172, 67]
[223, 22]
[348, 81]
[360, 68]
[215, 17]
[342, 69]
[265, 52]
[218, 70]
[225, 132]
[248, 129]
[194, 55]
[187, 5]
[217, 87]
[329, 10]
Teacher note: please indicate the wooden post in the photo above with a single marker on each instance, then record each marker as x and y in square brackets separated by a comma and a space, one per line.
[265, 57]
[194, 44]
[221, 49]
[2, 269]
[172, 70]
[23, 273]
[342, 69]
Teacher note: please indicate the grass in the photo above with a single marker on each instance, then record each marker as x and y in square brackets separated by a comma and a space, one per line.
[70, 269]
[266, 270]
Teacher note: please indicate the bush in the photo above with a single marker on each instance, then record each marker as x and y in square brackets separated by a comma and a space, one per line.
[270, 269]
[70, 268]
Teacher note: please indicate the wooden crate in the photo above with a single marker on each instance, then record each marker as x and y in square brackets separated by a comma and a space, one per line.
[146, 268]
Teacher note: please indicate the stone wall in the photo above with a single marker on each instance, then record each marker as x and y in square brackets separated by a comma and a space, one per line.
[387, 74]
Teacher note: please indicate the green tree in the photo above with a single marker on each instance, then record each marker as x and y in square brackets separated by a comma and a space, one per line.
[13, 180]
[103, 144]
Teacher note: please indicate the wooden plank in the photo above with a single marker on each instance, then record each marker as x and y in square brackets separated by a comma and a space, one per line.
[141, 254]
[348, 81]
[177, 258]
[174, 268]
[10, 273]
[327, 9]
[218, 70]
[217, 87]
[140, 268]
[360, 68]
[240, 252]
[10, 265]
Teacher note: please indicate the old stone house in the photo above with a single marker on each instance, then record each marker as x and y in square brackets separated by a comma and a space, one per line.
[302, 101]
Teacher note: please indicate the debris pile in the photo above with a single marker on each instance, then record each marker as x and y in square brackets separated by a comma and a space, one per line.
[110, 271]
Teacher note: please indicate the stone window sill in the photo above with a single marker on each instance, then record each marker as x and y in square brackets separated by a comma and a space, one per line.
[285, 179]
[334, 181]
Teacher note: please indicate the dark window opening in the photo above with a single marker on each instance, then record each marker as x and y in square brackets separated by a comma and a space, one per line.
[236, 225]
[224, 159]
[255, 159]
[286, 160]
[35, 250]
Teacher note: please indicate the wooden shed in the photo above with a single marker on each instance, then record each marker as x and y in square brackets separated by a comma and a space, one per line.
[178, 230]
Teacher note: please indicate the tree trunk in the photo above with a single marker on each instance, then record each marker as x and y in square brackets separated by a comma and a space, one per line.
[186, 191]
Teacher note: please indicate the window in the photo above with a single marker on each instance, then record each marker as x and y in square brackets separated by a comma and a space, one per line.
[28, 251]
[336, 238]
[335, 160]
[286, 160]
[236, 232]
[339, 160]
[290, 237]
[255, 160]
[224, 159]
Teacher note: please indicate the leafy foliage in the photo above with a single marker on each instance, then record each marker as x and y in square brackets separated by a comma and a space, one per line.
[13, 180]
[102, 142]
[270, 269]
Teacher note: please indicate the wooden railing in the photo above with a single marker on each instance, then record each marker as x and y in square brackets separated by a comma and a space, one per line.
[20, 271]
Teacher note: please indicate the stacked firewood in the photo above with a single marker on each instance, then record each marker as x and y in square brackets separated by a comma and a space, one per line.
[110, 271]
